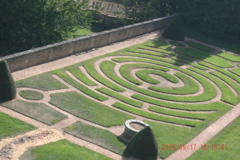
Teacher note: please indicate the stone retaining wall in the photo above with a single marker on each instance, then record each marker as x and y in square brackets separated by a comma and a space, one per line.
[56, 51]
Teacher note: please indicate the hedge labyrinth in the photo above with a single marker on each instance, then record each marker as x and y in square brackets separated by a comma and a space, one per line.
[180, 88]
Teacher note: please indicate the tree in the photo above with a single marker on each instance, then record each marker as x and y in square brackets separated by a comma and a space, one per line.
[175, 30]
[7, 85]
[27, 24]
[141, 10]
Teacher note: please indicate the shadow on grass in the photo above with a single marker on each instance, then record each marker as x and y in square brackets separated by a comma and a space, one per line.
[232, 46]
[181, 55]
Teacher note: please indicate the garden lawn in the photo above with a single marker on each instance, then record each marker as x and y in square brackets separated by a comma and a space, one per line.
[229, 56]
[37, 111]
[45, 82]
[61, 150]
[10, 126]
[88, 109]
[97, 136]
[31, 95]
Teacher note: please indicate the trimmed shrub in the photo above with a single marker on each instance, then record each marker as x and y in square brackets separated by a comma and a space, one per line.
[175, 30]
[7, 85]
[143, 145]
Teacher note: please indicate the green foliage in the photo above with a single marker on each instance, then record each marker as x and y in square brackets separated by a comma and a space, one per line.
[175, 30]
[143, 145]
[62, 150]
[32, 95]
[215, 18]
[33, 23]
[97, 136]
[140, 10]
[37, 111]
[11, 126]
[7, 85]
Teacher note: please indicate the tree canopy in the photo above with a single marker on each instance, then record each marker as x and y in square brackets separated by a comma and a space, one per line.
[219, 19]
[27, 24]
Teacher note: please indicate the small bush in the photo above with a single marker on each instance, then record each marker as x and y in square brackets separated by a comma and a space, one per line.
[7, 85]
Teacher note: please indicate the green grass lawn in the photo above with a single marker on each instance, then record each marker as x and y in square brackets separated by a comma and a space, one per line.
[109, 71]
[61, 150]
[37, 111]
[79, 86]
[88, 109]
[224, 145]
[92, 71]
[97, 136]
[80, 76]
[10, 126]
[228, 56]
[144, 75]
[190, 86]
[31, 95]
[235, 71]
[44, 82]
[126, 69]
[120, 97]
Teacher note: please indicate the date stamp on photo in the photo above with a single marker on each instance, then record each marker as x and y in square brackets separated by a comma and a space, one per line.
[194, 147]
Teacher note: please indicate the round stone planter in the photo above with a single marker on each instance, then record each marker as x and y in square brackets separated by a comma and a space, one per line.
[132, 127]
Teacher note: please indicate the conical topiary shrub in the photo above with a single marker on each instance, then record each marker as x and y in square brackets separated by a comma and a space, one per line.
[7, 85]
[175, 30]
[143, 145]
